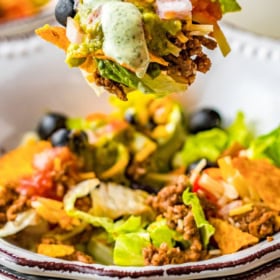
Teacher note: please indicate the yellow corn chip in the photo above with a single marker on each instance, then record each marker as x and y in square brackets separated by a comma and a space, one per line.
[229, 238]
[54, 34]
[263, 178]
[18, 162]
[52, 211]
[55, 250]
[89, 65]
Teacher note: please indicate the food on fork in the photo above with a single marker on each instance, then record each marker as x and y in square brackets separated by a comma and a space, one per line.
[150, 46]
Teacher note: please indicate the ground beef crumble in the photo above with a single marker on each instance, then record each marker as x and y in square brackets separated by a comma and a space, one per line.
[110, 86]
[182, 67]
[260, 222]
[168, 204]
[190, 60]
[11, 203]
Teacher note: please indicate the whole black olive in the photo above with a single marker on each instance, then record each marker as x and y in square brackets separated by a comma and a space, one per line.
[204, 119]
[60, 137]
[50, 123]
[194, 164]
[63, 10]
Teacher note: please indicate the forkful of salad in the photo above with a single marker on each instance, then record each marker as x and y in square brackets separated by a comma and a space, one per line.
[151, 46]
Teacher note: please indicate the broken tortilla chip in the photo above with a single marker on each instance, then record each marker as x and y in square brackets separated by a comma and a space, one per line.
[262, 177]
[55, 250]
[229, 238]
[18, 162]
[55, 35]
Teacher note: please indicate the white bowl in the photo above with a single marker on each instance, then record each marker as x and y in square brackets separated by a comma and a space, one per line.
[17, 36]
[258, 16]
[247, 80]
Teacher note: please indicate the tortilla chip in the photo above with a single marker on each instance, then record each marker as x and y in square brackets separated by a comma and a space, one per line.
[89, 65]
[157, 59]
[18, 162]
[55, 250]
[55, 35]
[263, 178]
[229, 238]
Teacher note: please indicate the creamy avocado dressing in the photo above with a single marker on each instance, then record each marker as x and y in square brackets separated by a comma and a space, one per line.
[124, 39]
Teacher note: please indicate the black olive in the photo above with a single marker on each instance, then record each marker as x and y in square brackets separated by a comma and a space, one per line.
[130, 117]
[78, 141]
[60, 137]
[50, 123]
[63, 10]
[194, 164]
[204, 119]
[142, 187]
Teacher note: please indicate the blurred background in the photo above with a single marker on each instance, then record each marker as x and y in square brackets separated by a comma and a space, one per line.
[34, 77]
[259, 16]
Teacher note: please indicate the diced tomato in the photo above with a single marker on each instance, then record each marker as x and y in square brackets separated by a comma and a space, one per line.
[206, 11]
[198, 188]
[39, 184]
[46, 165]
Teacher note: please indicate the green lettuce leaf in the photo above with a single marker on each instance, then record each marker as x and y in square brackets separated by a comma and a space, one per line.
[228, 6]
[267, 146]
[81, 190]
[206, 144]
[23, 220]
[239, 131]
[115, 72]
[101, 248]
[161, 233]
[163, 84]
[211, 143]
[128, 248]
[206, 229]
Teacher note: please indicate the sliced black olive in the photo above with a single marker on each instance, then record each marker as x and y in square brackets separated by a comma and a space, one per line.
[194, 164]
[63, 10]
[78, 141]
[50, 123]
[129, 116]
[60, 137]
[204, 119]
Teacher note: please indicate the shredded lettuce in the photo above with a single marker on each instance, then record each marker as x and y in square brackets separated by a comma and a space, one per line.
[161, 233]
[128, 248]
[266, 146]
[81, 190]
[163, 84]
[206, 229]
[100, 247]
[115, 72]
[22, 221]
[114, 201]
[206, 144]
[239, 131]
[211, 143]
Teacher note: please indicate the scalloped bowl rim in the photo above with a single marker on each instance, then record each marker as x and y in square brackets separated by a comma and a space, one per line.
[240, 262]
